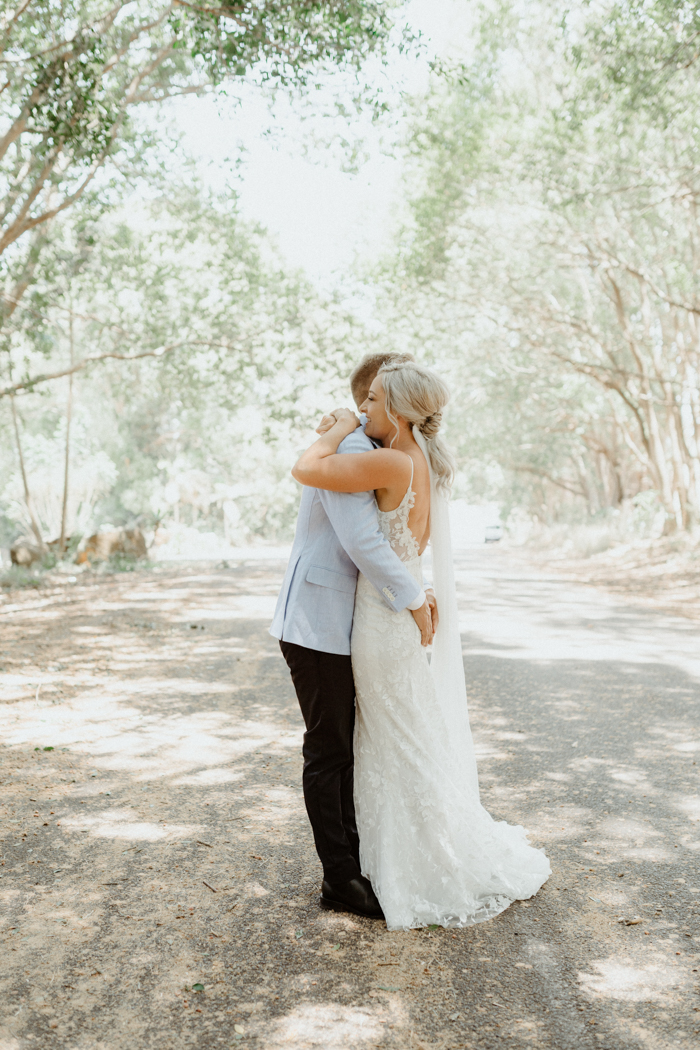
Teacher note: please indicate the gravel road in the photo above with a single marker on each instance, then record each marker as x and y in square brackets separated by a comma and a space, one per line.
[158, 880]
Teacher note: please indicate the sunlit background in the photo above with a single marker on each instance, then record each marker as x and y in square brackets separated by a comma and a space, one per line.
[469, 196]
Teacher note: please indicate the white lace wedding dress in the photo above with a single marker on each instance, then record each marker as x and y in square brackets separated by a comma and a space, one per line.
[430, 849]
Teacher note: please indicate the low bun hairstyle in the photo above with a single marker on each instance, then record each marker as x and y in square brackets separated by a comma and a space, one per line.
[431, 425]
[419, 396]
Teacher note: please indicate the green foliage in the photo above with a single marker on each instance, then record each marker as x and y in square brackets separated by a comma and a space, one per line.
[121, 562]
[16, 577]
[286, 39]
[243, 357]
[74, 71]
[635, 51]
[551, 266]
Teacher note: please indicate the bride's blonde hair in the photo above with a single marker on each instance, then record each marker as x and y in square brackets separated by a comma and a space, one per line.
[419, 396]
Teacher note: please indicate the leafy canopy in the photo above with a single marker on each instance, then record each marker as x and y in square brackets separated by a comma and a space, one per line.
[72, 71]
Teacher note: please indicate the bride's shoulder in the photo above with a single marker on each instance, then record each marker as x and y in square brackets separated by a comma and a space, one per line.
[396, 462]
[394, 456]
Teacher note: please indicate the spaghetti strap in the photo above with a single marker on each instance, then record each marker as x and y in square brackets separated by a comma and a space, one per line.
[410, 484]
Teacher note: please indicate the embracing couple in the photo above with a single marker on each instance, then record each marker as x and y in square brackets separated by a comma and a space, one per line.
[390, 780]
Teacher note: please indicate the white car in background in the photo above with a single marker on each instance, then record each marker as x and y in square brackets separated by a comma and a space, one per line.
[474, 524]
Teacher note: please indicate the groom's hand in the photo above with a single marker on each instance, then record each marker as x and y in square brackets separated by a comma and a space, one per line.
[425, 623]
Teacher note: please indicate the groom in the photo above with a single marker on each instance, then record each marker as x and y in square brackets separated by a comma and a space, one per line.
[337, 535]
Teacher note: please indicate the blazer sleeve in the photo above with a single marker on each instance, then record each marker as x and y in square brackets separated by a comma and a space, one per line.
[353, 516]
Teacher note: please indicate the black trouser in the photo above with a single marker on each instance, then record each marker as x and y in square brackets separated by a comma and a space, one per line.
[326, 693]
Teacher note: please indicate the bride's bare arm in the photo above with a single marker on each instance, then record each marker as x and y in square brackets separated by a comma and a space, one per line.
[321, 467]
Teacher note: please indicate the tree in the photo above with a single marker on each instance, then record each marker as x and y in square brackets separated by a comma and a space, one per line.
[253, 355]
[74, 72]
[556, 223]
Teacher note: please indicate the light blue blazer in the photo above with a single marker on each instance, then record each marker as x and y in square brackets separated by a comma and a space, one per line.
[337, 535]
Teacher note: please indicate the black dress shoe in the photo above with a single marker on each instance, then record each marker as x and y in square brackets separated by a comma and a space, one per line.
[356, 896]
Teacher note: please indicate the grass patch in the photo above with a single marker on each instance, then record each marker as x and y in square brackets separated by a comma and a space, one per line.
[18, 577]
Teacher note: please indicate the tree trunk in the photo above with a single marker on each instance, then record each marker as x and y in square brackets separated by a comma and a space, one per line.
[69, 413]
[27, 494]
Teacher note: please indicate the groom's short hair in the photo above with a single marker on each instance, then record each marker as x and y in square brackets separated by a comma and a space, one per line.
[362, 375]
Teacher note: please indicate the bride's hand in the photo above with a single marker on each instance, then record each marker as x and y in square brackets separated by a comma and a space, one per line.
[326, 423]
[346, 419]
[343, 416]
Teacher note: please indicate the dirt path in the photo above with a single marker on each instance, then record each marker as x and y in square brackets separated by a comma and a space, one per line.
[663, 575]
[159, 884]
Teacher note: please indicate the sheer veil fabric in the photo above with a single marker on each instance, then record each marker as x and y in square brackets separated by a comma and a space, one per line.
[430, 849]
[447, 665]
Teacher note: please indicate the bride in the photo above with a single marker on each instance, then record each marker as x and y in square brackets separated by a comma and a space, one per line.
[433, 854]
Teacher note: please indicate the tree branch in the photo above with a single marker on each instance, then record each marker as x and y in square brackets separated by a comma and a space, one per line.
[15, 231]
[20, 123]
[25, 279]
[149, 96]
[11, 21]
[548, 477]
[161, 351]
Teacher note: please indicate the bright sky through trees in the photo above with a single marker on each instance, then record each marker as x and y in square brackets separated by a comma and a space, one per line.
[321, 215]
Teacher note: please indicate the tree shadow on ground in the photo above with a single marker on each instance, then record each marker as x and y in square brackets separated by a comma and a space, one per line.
[173, 849]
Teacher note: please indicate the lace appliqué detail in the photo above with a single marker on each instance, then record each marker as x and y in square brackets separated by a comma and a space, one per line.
[394, 526]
